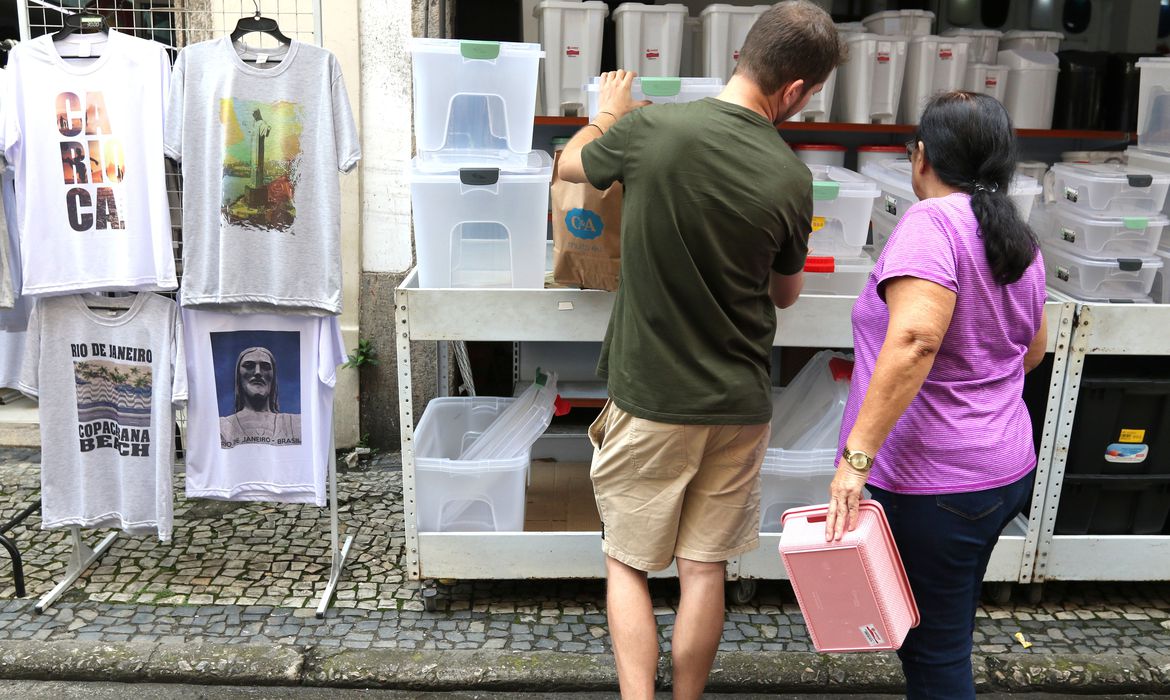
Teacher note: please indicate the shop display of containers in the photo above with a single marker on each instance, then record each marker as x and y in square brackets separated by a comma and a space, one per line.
[724, 29]
[658, 91]
[842, 201]
[820, 154]
[570, 32]
[899, 22]
[1027, 40]
[482, 227]
[1031, 86]
[1100, 237]
[1079, 276]
[984, 43]
[649, 38]
[838, 276]
[987, 78]
[820, 105]
[474, 101]
[1097, 189]
[934, 64]
[869, 83]
[1153, 116]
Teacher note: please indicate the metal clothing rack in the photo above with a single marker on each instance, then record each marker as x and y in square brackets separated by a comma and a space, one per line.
[176, 24]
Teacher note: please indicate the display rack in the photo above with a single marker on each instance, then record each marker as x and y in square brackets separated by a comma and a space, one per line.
[582, 316]
[1101, 329]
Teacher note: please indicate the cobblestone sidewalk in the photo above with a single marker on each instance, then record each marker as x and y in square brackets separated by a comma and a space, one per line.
[251, 573]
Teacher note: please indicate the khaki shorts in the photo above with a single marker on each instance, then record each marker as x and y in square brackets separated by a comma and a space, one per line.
[665, 490]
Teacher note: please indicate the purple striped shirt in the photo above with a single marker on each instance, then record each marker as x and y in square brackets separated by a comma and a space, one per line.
[968, 428]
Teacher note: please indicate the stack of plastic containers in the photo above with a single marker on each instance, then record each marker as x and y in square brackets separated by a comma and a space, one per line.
[658, 91]
[1156, 161]
[837, 262]
[935, 64]
[802, 452]
[724, 29]
[570, 32]
[897, 195]
[479, 191]
[1033, 70]
[1100, 235]
[650, 38]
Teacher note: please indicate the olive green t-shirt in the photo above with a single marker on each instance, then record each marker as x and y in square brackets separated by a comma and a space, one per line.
[714, 200]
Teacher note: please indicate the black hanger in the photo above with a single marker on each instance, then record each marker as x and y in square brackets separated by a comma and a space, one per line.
[256, 23]
[84, 21]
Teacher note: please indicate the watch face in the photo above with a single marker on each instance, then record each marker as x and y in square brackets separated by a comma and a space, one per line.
[858, 460]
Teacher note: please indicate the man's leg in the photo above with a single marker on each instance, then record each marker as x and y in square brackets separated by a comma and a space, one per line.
[698, 626]
[633, 629]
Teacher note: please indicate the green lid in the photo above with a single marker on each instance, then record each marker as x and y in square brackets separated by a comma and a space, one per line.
[661, 87]
[1137, 223]
[824, 190]
[480, 50]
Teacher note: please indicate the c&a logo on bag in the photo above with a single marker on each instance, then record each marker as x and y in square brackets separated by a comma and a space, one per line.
[583, 223]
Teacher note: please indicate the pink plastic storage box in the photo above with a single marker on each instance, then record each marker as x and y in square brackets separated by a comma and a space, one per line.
[853, 593]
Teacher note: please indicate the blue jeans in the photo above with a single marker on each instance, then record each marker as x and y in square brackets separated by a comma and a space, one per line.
[946, 542]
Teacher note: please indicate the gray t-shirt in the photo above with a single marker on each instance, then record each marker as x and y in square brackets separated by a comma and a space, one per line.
[261, 145]
[108, 383]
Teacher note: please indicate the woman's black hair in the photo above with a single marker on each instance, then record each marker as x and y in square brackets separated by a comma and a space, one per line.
[969, 141]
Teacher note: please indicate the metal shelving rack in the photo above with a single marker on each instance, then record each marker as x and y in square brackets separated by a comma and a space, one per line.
[582, 316]
[1101, 329]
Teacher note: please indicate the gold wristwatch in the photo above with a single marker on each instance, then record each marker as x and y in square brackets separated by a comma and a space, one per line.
[860, 461]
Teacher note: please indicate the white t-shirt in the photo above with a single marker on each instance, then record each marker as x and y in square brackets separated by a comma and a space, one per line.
[261, 411]
[86, 139]
[108, 385]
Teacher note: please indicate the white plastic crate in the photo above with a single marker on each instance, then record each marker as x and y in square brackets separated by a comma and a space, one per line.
[791, 479]
[1031, 87]
[1103, 237]
[1097, 189]
[1153, 119]
[836, 275]
[984, 42]
[482, 227]
[842, 201]
[454, 495]
[869, 83]
[649, 38]
[474, 101]
[900, 22]
[820, 105]
[1081, 277]
[988, 79]
[1027, 40]
[658, 91]
[570, 32]
[724, 29]
[933, 64]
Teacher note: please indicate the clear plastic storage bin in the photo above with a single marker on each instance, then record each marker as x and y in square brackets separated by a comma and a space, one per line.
[570, 31]
[482, 227]
[1081, 277]
[1153, 117]
[1154, 162]
[659, 90]
[900, 22]
[793, 479]
[934, 64]
[893, 177]
[1106, 236]
[984, 42]
[454, 495]
[724, 29]
[837, 276]
[1117, 190]
[842, 201]
[649, 38]
[474, 101]
[869, 83]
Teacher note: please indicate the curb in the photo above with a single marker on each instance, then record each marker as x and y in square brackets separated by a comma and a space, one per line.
[399, 669]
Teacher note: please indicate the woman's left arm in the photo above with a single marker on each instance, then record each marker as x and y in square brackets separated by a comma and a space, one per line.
[920, 313]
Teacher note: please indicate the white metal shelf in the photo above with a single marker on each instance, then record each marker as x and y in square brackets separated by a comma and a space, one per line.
[1101, 329]
[582, 316]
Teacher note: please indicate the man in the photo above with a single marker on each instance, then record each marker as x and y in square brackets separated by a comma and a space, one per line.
[258, 418]
[715, 223]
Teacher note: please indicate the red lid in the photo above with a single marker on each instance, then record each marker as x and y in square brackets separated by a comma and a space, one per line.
[816, 263]
[882, 149]
[817, 147]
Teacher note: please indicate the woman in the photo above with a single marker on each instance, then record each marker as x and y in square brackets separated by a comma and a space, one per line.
[950, 321]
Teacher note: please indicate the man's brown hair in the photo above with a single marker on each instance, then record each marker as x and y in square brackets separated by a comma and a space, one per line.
[793, 40]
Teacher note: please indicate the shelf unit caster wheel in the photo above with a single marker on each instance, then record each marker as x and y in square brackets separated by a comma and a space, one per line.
[743, 591]
[999, 592]
[1035, 593]
[430, 599]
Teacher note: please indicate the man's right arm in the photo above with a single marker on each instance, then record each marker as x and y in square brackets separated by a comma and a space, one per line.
[785, 289]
